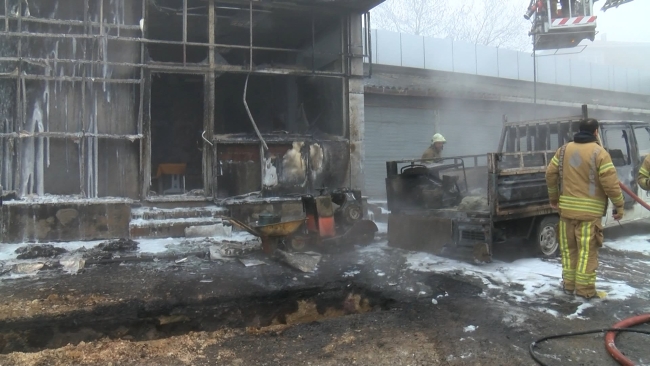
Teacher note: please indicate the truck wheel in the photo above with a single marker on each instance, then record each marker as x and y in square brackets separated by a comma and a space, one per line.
[546, 241]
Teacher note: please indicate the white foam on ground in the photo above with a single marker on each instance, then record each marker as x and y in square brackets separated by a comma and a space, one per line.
[637, 243]
[150, 246]
[533, 278]
[374, 248]
[579, 311]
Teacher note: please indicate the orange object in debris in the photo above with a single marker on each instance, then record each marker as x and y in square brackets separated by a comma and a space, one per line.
[171, 169]
[311, 224]
[326, 227]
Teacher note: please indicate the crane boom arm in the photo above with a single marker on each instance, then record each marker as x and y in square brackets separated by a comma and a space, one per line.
[614, 4]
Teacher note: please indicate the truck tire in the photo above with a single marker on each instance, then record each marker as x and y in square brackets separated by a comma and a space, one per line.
[546, 243]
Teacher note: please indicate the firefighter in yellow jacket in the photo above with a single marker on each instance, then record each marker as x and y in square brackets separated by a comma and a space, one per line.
[434, 151]
[643, 179]
[580, 179]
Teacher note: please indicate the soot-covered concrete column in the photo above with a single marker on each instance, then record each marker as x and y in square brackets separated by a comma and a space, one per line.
[356, 103]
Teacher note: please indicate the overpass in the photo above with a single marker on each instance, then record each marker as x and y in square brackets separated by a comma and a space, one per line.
[406, 105]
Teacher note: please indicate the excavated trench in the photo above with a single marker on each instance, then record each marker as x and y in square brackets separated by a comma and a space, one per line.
[140, 321]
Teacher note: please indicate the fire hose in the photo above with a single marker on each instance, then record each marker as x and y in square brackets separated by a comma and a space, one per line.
[622, 326]
[636, 198]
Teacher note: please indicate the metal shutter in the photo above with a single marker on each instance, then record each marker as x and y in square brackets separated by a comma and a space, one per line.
[404, 133]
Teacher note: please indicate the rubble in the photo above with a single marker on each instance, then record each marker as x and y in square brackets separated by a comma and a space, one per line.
[118, 245]
[251, 262]
[305, 262]
[34, 251]
[72, 263]
[27, 268]
[229, 250]
[474, 203]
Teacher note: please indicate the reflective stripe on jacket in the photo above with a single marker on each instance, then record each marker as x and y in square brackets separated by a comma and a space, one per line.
[588, 179]
[643, 178]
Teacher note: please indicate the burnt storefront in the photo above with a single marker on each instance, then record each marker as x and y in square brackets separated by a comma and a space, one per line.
[142, 98]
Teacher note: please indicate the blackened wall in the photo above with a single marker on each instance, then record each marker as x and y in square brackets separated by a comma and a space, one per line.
[107, 167]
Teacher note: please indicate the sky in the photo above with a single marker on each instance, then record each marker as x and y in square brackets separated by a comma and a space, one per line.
[626, 23]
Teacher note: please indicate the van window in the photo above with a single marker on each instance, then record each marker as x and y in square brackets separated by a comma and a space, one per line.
[554, 145]
[643, 141]
[617, 142]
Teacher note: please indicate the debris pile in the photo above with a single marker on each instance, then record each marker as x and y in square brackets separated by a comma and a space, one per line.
[72, 263]
[224, 250]
[119, 245]
[39, 251]
[474, 203]
[27, 268]
[305, 262]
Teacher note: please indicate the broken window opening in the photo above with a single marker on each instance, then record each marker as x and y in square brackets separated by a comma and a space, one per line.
[279, 104]
[618, 144]
[176, 127]
[281, 38]
[642, 135]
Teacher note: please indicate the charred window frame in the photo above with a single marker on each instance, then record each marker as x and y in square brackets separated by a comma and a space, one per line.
[256, 38]
[61, 56]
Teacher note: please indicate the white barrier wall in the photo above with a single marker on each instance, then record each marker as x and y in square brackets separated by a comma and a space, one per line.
[396, 49]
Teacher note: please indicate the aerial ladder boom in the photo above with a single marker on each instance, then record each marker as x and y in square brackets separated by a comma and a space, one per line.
[614, 4]
[564, 23]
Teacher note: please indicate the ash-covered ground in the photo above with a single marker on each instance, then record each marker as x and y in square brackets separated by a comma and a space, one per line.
[375, 305]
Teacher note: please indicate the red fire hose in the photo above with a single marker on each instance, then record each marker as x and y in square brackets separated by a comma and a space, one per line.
[611, 333]
[610, 338]
[636, 198]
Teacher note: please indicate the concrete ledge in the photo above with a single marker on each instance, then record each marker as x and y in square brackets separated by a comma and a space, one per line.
[64, 221]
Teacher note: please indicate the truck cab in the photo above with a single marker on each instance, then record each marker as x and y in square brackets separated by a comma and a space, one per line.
[526, 148]
[463, 209]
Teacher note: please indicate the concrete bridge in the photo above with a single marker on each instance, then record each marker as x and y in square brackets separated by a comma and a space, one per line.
[405, 106]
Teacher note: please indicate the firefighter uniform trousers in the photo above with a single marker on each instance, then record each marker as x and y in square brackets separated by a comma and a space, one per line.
[580, 242]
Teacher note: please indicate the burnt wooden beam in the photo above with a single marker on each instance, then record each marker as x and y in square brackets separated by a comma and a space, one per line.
[69, 135]
[145, 145]
[184, 32]
[145, 106]
[73, 23]
[209, 181]
[19, 105]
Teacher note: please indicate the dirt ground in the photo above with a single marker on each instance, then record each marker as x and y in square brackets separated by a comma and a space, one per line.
[368, 307]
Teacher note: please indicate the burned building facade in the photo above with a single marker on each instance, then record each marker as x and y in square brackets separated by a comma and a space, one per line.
[138, 98]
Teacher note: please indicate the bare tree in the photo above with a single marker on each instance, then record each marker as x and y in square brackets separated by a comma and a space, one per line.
[419, 17]
[496, 23]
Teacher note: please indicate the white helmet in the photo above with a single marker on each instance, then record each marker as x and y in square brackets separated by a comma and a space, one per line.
[438, 138]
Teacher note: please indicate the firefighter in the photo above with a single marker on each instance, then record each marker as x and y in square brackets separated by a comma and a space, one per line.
[643, 178]
[434, 151]
[580, 178]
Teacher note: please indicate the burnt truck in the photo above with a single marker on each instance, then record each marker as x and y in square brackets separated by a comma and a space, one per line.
[460, 208]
